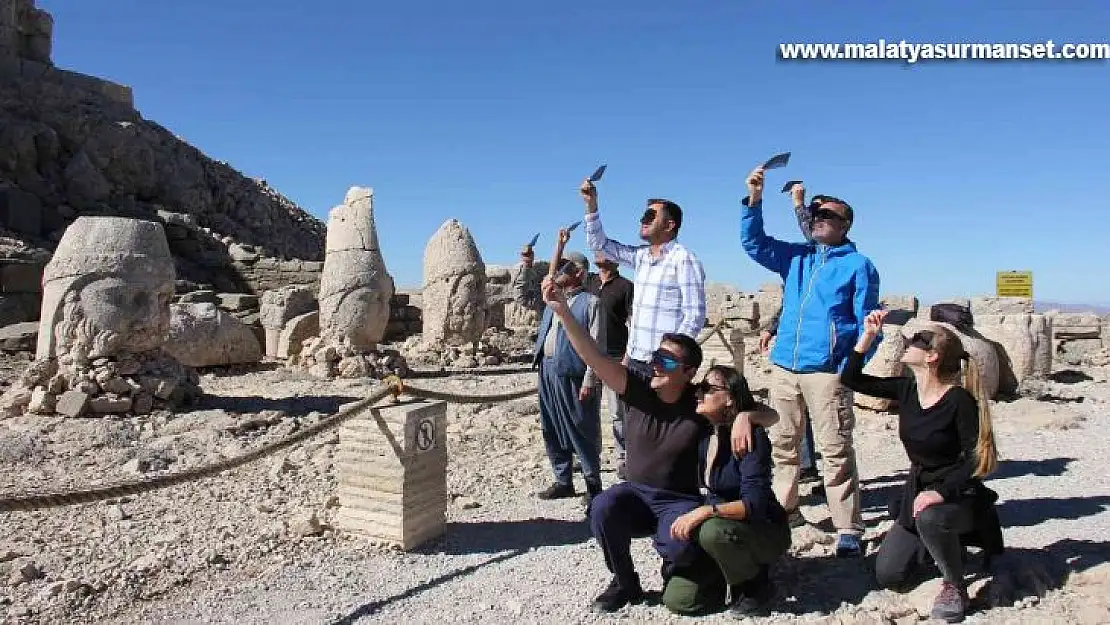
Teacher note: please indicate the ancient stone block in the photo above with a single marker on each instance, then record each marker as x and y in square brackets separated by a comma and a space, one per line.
[1001, 306]
[1076, 326]
[295, 332]
[1024, 346]
[237, 301]
[900, 302]
[454, 294]
[202, 335]
[392, 466]
[724, 346]
[278, 307]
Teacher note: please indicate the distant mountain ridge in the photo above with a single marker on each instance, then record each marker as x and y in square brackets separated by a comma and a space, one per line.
[1098, 309]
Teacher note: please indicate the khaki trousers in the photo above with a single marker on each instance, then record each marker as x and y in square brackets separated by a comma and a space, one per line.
[830, 413]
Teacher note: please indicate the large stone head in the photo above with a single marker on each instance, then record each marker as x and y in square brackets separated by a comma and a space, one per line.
[107, 290]
[355, 288]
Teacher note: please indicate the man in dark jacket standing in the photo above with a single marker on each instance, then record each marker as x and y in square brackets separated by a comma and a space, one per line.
[828, 290]
[616, 294]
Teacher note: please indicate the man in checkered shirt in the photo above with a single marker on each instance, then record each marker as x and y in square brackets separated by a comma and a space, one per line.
[669, 281]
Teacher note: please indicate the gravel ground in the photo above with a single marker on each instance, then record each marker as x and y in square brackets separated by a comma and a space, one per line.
[254, 545]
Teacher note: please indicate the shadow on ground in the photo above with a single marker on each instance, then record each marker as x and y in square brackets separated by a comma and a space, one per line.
[492, 537]
[822, 585]
[292, 406]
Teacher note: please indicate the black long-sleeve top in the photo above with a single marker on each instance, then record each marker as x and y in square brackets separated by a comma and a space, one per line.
[939, 440]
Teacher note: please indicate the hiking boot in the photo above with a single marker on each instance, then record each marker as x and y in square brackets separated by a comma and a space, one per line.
[950, 604]
[848, 546]
[753, 597]
[557, 491]
[616, 596]
[809, 474]
[795, 519]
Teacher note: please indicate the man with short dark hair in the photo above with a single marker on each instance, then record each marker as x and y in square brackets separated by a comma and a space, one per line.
[615, 294]
[828, 290]
[669, 281]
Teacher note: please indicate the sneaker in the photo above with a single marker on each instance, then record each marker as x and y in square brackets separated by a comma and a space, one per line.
[617, 596]
[557, 491]
[950, 604]
[753, 598]
[807, 475]
[795, 519]
[848, 546]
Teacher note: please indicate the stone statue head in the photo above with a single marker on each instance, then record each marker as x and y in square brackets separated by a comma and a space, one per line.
[107, 290]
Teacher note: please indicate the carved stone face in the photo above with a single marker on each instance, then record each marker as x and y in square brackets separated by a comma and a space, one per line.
[138, 312]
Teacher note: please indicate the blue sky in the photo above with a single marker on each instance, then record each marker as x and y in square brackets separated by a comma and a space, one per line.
[493, 112]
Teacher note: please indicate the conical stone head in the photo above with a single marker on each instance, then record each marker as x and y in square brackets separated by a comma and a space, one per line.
[454, 296]
[355, 288]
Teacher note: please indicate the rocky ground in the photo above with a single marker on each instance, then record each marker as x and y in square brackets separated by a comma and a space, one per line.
[254, 545]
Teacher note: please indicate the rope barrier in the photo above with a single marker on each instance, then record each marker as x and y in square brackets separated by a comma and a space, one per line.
[392, 385]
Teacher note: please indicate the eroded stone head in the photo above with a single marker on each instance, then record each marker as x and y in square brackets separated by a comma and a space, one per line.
[355, 288]
[107, 290]
[454, 295]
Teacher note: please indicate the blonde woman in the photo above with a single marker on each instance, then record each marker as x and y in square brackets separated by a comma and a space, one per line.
[946, 430]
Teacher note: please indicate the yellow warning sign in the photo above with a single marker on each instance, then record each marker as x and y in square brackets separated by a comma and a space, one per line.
[1014, 284]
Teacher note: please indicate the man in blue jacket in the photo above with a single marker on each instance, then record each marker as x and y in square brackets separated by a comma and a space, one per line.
[828, 289]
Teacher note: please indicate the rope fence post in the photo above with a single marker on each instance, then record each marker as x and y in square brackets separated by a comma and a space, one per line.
[392, 466]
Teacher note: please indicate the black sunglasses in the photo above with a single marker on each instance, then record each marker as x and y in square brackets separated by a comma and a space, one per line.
[649, 216]
[922, 340]
[828, 215]
[706, 387]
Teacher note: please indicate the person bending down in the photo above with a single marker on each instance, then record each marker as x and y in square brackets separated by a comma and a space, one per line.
[741, 524]
[662, 431]
[948, 437]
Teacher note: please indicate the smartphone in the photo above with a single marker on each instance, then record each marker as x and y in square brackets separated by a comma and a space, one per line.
[598, 173]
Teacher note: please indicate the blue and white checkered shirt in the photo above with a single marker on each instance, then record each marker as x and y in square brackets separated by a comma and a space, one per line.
[669, 291]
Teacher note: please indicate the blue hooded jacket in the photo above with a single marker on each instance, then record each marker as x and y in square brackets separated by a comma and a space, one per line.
[827, 292]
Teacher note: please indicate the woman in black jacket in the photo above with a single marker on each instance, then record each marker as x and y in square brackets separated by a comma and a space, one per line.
[947, 434]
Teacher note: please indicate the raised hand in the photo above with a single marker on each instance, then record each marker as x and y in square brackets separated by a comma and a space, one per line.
[755, 184]
[873, 322]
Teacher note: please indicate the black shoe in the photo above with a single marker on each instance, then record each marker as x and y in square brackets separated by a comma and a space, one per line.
[557, 491]
[593, 489]
[620, 472]
[805, 476]
[754, 597]
[617, 596]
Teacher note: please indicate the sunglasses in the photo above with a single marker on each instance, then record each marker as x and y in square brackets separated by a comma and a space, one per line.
[921, 340]
[705, 387]
[826, 214]
[666, 361]
[649, 216]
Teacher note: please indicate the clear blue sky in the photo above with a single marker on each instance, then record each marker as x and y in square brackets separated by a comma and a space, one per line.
[493, 112]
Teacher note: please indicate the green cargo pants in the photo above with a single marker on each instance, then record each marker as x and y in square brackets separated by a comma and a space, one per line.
[735, 551]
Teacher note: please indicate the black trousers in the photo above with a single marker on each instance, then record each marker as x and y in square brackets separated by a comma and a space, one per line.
[936, 534]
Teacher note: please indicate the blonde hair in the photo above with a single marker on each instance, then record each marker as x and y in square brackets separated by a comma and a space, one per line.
[950, 356]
